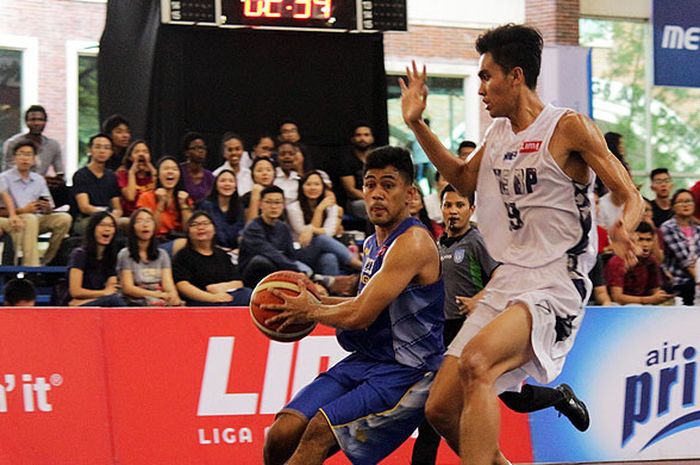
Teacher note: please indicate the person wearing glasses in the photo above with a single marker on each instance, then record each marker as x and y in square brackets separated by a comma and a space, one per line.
[662, 185]
[681, 238]
[203, 273]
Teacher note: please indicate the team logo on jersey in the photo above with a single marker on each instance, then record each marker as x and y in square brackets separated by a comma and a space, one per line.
[459, 255]
[530, 146]
[510, 156]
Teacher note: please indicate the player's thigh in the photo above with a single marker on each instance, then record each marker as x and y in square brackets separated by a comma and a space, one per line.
[502, 345]
[445, 398]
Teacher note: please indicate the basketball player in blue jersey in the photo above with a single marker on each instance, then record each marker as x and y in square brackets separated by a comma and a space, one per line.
[370, 402]
[533, 172]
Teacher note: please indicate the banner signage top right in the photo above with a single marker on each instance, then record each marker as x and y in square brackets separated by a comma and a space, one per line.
[676, 43]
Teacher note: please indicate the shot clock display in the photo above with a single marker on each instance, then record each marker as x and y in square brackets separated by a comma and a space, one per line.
[317, 14]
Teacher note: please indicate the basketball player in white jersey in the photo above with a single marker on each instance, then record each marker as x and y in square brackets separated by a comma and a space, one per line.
[533, 172]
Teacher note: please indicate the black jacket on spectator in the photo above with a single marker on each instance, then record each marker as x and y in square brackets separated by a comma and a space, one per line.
[273, 242]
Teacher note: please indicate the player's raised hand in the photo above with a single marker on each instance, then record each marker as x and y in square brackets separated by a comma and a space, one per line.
[622, 244]
[414, 93]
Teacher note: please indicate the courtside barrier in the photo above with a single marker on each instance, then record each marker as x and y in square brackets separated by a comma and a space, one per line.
[200, 385]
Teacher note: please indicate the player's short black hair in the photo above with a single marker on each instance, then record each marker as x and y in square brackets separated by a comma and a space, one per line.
[450, 188]
[112, 122]
[514, 45]
[466, 144]
[271, 190]
[645, 227]
[388, 155]
[38, 108]
[657, 171]
[19, 289]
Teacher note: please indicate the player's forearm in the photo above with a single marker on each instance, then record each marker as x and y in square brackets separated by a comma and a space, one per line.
[633, 210]
[343, 315]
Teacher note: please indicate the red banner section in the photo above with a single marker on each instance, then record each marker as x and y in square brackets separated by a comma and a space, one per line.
[164, 386]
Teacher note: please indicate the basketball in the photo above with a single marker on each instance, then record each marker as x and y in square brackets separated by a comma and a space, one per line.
[286, 281]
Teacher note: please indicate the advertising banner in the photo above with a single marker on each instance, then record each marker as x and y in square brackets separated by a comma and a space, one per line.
[636, 368]
[676, 42]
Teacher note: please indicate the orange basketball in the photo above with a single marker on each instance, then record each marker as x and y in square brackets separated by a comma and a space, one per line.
[287, 282]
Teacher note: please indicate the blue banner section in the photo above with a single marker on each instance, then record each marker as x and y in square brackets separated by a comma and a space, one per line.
[676, 42]
[636, 369]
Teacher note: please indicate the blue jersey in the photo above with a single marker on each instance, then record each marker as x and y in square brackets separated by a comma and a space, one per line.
[409, 330]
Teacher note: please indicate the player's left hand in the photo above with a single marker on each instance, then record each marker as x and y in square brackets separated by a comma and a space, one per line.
[414, 94]
[466, 304]
[294, 309]
[622, 244]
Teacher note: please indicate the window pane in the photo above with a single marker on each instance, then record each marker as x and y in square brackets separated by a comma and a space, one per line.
[446, 115]
[619, 62]
[88, 109]
[10, 93]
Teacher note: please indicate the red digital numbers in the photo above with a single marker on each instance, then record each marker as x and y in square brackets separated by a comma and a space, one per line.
[297, 9]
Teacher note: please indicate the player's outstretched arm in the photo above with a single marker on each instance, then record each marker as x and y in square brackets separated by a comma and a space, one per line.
[585, 138]
[412, 257]
[414, 97]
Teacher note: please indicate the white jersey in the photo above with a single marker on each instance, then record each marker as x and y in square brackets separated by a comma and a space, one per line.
[531, 213]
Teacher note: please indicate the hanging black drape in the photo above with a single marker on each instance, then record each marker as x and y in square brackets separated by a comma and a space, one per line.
[169, 79]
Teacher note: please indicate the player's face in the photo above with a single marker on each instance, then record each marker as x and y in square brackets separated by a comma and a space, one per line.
[233, 150]
[497, 89]
[271, 207]
[36, 122]
[645, 241]
[362, 138]
[387, 195]
[456, 212]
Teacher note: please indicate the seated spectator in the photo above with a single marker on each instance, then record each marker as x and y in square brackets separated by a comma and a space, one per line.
[286, 176]
[197, 180]
[640, 284]
[662, 185]
[12, 229]
[313, 220]
[136, 175]
[48, 153]
[19, 292]
[145, 271]
[118, 129]
[350, 169]
[600, 294]
[232, 148]
[170, 203]
[34, 204]
[95, 186]
[226, 210]
[417, 210]
[301, 167]
[204, 274]
[92, 273]
[266, 244]
[263, 174]
[681, 239]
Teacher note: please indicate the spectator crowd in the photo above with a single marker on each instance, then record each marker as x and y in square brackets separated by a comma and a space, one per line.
[139, 229]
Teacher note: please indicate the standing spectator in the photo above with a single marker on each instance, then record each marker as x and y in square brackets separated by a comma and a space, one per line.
[640, 284]
[144, 270]
[92, 273]
[232, 148]
[48, 150]
[417, 210]
[263, 174]
[314, 219]
[225, 209]
[289, 131]
[33, 203]
[197, 180]
[203, 273]
[267, 245]
[681, 238]
[170, 203]
[286, 176]
[19, 292]
[350, 169]
[662, 185]
[600, 294]
[136, 175]
[95, 186]
[466, 147]
[264, 147]
[118, 129]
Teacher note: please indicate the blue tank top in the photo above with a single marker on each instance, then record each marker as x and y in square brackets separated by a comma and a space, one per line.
[409, 330]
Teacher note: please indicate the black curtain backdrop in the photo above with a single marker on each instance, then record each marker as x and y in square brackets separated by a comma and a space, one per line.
[168, 80]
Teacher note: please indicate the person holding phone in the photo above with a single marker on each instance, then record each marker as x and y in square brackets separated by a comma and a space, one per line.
[33, 203]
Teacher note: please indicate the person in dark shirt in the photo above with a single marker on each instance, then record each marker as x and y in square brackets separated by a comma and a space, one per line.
[118, 129]
[662, 185]
[203, 273]
[224, 206]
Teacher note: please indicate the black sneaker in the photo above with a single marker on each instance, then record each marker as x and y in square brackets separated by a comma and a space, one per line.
[573, 408]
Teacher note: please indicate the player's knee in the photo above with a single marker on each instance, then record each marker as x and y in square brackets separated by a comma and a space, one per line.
[474, 365]
[282, 438]
[320, 431]
[441, 415]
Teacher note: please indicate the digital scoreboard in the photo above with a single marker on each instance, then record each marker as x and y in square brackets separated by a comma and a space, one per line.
[317, 15]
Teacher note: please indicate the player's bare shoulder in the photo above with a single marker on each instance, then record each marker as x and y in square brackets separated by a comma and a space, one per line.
[416, 249]
[575, 138]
